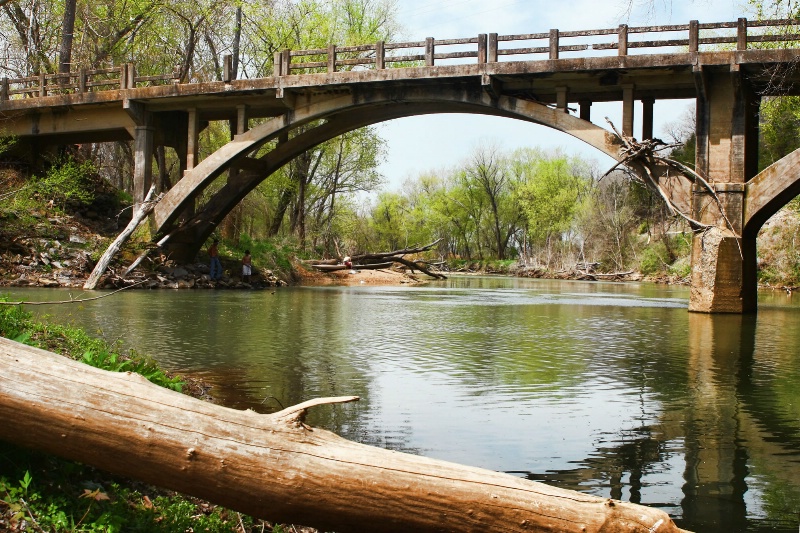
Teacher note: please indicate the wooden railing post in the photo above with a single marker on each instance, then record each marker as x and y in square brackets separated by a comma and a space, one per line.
[694, 36]
[4, 89]
[429, 51]
[741, 34]
[331, 58]
[131, 76]
[227, 68]
[286, 62]
[554, 44]
[123, 77]
[492, 52]
[481, 48]
[277, 58]
[82, 80]
[42, 84]
[380, 55]
[622, 47]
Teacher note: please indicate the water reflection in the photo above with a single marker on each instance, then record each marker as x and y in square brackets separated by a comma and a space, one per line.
[612, 389]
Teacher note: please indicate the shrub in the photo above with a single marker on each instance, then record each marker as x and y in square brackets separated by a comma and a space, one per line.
[68, 182]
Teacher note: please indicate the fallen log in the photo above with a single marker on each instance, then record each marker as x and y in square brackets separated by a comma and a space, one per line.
[140, 214]
[274, 466]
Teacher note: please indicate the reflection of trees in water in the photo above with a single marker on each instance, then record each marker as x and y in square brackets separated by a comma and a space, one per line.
[637, 454]
[728, 424]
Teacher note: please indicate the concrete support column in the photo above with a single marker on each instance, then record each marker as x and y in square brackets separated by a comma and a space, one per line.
[143, 162]
[723, 260]
[647, 117]
[192, 139]
[562, 98]
[627, 110]
[586, 110]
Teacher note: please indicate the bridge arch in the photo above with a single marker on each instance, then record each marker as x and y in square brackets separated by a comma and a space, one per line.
[337, 113]
[769, 191]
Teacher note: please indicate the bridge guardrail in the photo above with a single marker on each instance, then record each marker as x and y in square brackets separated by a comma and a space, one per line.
[82, 81]
[488, 48]
[485, 48]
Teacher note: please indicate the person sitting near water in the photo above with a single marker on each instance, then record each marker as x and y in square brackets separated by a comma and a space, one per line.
[247, 266]
[347, 261]
[215, 271]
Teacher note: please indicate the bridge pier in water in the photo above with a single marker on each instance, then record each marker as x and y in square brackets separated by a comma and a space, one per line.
[723, 276]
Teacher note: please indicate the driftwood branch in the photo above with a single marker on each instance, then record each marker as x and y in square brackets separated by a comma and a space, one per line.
[643, 156]
[75, 300]
[271, 466]
[140, 214]
[394, 256]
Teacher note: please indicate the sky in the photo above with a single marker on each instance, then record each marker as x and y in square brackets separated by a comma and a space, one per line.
[419, 144]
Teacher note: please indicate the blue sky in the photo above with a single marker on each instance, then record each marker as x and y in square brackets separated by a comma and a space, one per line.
[419, 144]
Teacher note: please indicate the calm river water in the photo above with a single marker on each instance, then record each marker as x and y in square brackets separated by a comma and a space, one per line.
[611, 389]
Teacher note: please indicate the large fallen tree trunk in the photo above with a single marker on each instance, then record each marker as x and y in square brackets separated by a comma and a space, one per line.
[140, 214]
[395, 256]
[274, 466]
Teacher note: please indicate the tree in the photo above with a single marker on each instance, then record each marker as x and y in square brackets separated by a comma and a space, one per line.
[67, 29]
[489, 175]
[550, 194]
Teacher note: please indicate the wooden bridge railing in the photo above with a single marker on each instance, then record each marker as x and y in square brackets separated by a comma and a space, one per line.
[485, 48]
[82, 81]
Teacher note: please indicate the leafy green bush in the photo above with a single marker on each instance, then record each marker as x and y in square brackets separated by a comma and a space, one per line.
[68, 182]
[653, 259]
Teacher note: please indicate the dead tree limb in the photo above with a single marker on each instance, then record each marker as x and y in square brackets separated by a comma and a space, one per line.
[274, 466]
[414, 265]
[76, 300]
[140, 214]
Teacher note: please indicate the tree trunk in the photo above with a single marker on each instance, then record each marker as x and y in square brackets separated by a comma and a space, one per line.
[274, 466]
[140, 214]
[67, 30]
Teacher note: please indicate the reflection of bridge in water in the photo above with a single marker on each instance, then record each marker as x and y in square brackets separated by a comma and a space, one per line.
[315, 95]
[720, 431]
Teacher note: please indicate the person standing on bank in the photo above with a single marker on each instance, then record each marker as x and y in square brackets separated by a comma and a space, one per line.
[216, 267]
[247, 266]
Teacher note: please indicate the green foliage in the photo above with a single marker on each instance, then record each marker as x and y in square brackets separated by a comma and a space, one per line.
[686, 152]
[266, 253]
[6, 142]
[779, 128]
[60, 495]
[668, 255]
[550, 195]
[69, 181]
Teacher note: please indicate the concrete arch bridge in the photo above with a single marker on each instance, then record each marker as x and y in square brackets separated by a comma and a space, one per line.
[549, 78]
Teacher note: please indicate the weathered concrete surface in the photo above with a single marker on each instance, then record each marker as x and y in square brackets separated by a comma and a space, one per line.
[717, 273]
[727, 136]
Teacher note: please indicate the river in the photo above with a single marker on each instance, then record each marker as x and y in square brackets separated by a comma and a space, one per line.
[611, 389]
